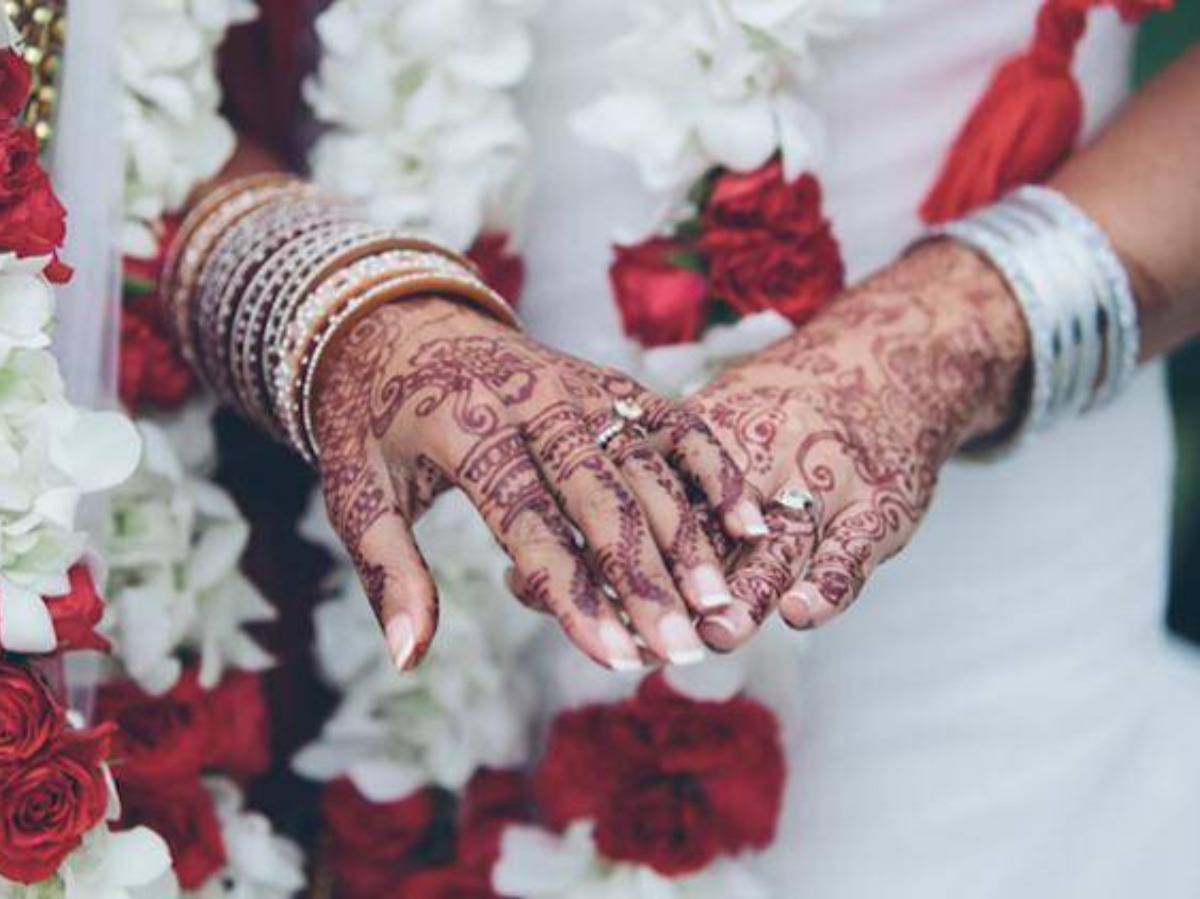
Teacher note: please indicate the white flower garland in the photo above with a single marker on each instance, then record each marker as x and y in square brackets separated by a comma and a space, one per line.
[423, 126]
[701, 85]
[52, 454]
[173, 544]
[172, 131]
[174, 539]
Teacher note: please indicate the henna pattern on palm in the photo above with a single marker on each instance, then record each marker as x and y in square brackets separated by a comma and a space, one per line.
[423, 396]
[862, 408]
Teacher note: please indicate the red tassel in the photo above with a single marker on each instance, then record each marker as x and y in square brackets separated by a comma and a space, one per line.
[1025, 124]
[1028, 120]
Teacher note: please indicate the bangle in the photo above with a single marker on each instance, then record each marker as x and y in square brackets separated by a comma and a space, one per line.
[1074, 293]
[267, 272]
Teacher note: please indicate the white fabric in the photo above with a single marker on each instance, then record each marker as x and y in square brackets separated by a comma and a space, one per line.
[86, 168]
[1003, 715]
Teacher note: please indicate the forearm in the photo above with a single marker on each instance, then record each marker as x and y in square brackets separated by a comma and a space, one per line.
[1140, 180]
[250, 158]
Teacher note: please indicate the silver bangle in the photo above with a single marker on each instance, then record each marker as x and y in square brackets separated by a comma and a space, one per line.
[1075, 295]
[1120, 306]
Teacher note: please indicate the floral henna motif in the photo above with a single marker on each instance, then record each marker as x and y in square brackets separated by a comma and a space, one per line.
[863, 407]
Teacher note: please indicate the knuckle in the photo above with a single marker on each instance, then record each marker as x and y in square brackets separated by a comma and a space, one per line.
[598, 503]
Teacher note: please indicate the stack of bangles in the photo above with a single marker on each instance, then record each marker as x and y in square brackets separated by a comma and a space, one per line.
[265, 274]
[1075, 295]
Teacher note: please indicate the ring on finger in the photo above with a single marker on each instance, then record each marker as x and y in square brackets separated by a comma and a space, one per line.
[627, 414]
[798, 503]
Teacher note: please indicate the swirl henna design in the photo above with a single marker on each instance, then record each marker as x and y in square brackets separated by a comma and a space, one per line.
[423, 396]
[862, 408]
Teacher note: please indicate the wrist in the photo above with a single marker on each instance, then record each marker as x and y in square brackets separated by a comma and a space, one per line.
[980, 335]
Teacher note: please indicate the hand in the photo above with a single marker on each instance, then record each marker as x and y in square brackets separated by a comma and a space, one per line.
[860, 409]
[425, 395]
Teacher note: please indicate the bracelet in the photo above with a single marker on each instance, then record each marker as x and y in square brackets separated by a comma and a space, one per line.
[200, 230]
[1074, 293]
[267, 272]
[1120, 305]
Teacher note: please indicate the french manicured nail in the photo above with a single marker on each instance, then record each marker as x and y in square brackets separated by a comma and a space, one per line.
[752, 519]
[710, 588]
[401, 640]
[808, 597]
[619, 648]
[722, 623]
[680, 639]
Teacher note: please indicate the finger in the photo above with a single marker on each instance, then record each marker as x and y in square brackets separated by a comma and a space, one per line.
[676, 524]
[402, 593]
[694, 449]
[504, 483]
[760, 577]
[596, 497]
[843, 561]
[516, 586]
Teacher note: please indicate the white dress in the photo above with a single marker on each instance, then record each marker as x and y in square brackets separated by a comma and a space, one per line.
[1003, 714]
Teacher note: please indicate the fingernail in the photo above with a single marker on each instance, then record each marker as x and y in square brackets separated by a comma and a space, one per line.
[619, 649]
[723, 623]
[710, 588]
[752, 519]
[681, 640]
[401, 640]
[808, 596]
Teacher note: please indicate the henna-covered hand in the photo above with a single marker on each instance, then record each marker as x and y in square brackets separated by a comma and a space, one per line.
[421, 396]
[861, 408]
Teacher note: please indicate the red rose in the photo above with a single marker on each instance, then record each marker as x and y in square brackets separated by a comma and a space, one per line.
[608, 742]
[30, 717]
[49, 802]
[372, 844]
[769, 246]
[734, 748]
[76, 614]
[445, 883]
[501, 269]
[152, 372]
[661, 302]
[182, 813]
[32, 220]
[239, 727]
[15, 81]
[671, 782]
[161, 740]
[492, 801]
[663, 822]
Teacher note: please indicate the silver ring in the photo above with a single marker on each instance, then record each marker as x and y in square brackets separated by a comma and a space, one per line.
[626, 414]
[797, 501]
[629, 411]
[610, 432]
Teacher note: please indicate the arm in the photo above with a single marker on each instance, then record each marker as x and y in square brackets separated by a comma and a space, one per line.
[862, 407]
[1140, 181]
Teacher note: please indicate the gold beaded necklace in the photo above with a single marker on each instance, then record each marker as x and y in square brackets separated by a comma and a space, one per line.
[42, 25]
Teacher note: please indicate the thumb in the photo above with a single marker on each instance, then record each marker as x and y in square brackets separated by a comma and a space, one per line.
[393, 572]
